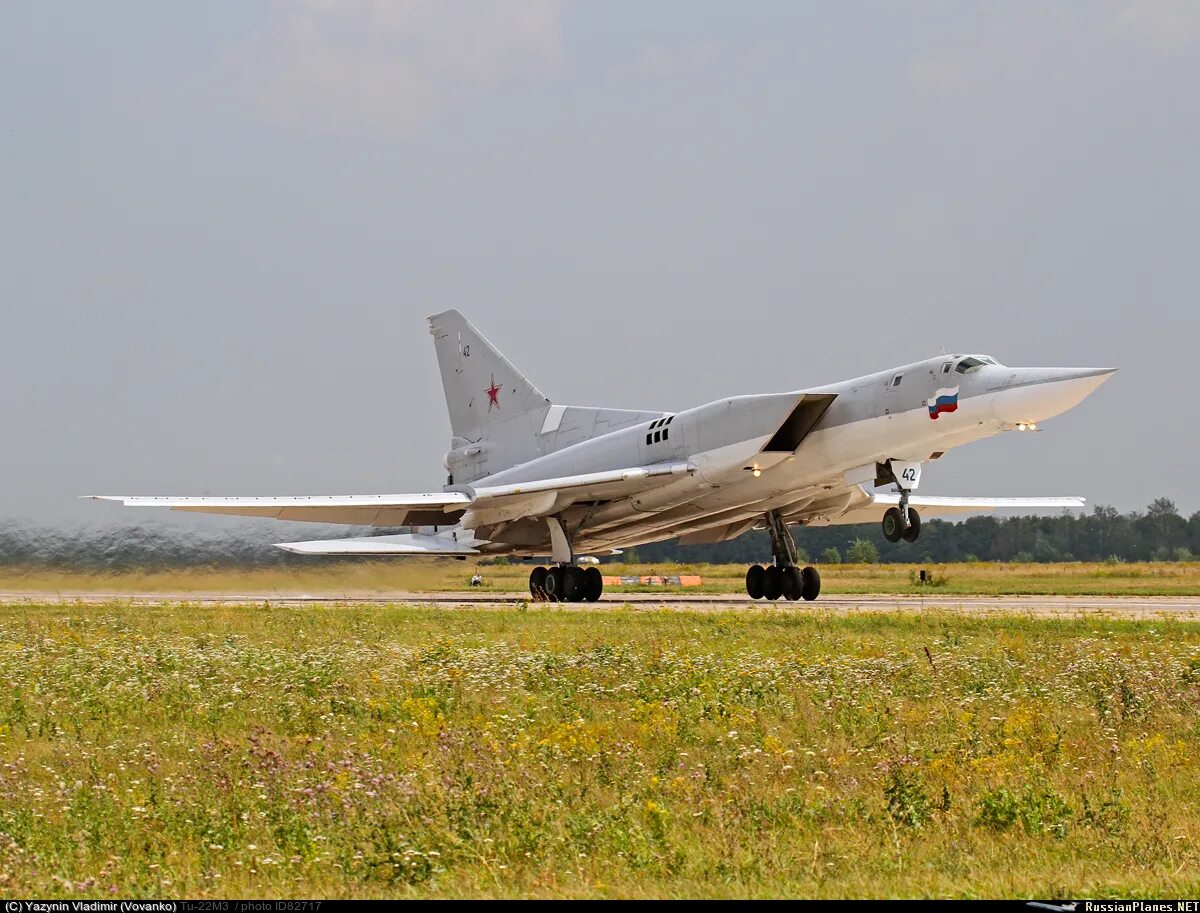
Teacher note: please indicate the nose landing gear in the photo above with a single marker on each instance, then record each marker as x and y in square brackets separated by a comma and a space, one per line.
[894, 527]
[903, 522]
[783, 578]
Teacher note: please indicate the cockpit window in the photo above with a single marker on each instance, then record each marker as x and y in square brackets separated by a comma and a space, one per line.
[973, 363]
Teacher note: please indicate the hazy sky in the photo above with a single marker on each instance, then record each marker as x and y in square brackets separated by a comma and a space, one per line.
[222, 226]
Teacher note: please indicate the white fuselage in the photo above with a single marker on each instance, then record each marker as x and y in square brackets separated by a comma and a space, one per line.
[872, 419]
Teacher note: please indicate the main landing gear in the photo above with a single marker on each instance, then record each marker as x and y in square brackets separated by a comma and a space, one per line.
[566, 583]
[782, 578]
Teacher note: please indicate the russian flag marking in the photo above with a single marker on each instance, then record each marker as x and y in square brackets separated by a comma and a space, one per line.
[944, 400]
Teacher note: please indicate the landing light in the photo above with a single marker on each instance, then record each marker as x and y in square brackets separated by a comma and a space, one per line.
[1027, 426]
[756, 472]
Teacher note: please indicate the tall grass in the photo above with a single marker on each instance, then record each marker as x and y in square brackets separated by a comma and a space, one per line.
[388, 750]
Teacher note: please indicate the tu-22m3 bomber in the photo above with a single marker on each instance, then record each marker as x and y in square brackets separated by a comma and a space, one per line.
[530, 478]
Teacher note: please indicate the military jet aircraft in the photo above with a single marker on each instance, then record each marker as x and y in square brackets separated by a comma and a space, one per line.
[530, 478]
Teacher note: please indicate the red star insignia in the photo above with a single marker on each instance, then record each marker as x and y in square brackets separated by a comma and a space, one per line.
[493, 393]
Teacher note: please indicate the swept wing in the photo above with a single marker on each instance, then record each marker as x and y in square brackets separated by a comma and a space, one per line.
[873, 509]
[542, 497]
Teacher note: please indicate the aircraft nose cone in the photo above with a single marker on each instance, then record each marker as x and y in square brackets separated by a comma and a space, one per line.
[1036, 394]
[1100, 375]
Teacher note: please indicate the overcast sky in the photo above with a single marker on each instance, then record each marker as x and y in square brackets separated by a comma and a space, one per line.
[222, 226]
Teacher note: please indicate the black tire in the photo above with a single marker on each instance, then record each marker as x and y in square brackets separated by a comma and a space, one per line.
[594, 584]
[810, 584]
[892, 524]
[537, 584]
[754, 581]
[793, 584]
[914, 526]
[554, 584]
[574, 583]
[773, 582]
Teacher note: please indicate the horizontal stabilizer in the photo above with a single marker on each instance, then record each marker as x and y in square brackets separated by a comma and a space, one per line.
[404, 544]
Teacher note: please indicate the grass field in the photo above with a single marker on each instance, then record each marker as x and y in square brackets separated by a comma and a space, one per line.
[389, 750]
[417, 576]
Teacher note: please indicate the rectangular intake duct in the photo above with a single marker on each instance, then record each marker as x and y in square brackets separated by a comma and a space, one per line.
[802, 420]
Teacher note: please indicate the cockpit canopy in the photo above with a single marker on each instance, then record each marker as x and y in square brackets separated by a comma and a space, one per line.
[969, 364]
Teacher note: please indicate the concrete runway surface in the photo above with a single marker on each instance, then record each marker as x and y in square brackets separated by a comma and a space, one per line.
[1183, 608]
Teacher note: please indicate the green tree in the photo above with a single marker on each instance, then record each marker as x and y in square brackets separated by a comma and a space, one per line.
[831, 556]
[862, 551]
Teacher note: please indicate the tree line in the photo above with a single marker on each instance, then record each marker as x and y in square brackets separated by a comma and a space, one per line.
[1158, 533]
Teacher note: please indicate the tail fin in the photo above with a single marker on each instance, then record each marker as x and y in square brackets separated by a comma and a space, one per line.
[489, 400]
[498, 418]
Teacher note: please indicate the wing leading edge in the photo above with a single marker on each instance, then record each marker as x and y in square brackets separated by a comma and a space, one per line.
[873, 510]
[429, 509]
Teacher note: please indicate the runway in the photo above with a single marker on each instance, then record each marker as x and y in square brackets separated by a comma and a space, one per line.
[1182, 608]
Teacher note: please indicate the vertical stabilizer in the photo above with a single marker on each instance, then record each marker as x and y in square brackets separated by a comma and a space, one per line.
[495, 412]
